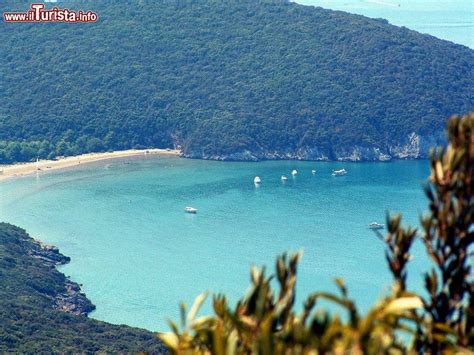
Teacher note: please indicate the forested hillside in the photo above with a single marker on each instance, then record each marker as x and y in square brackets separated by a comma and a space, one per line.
[226, 80]
[29, 321]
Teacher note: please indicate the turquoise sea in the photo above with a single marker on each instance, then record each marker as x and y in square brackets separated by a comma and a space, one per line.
[138, 254]
[452, 20]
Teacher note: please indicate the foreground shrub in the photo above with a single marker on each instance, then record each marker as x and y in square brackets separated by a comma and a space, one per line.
[265, 322]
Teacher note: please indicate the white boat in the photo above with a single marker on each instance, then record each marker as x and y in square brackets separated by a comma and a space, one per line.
[376, 225]
[257, 180]
[190, 210]
[294, 172]
[313, 172]
[284, 178]
[339, 172]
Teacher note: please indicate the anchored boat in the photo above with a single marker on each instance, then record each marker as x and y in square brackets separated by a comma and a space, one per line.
[339, 172]
[190, 210]
[376, 226]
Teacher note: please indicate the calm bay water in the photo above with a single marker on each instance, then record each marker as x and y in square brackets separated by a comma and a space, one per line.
[138, 254]
[452, 20]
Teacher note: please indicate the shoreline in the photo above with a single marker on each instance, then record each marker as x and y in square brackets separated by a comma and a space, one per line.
[38, 296]
[25, 169]
[72, 299]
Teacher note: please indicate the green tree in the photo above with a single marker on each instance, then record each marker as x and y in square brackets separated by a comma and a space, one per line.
[94, 145]
[44, 149]
[62, 148]
[13, 152]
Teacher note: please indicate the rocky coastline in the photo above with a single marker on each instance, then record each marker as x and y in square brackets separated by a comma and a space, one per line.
[413, 146]
[43, 312]
[71, 299]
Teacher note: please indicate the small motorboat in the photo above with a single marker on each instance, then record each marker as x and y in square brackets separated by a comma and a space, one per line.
[294, 172]
[313, 171]
[284, 178]
[376, 226]
[190, 210]
[257, 180]
[339, 172]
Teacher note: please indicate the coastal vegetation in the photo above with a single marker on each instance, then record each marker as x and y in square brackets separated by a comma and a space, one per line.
[36, 302]
[439, 320]
[224, 80]
[42, 311]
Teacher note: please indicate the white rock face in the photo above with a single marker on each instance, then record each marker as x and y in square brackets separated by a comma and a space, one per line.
[411, 149]
[413, 146]
[358, 153]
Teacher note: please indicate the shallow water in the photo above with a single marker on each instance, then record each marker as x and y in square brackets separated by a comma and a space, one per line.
[452, 20]
[138, 254]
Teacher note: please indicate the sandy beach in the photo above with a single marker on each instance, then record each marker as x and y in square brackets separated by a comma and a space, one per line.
[22, 169]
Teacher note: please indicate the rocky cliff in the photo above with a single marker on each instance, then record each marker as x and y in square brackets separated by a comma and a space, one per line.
[71, 299]
[413, 146]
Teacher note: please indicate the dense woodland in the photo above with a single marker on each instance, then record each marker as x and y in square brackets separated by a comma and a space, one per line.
[218, 77]
[28, 322]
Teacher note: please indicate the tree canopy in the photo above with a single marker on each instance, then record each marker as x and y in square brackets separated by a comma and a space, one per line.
[219, 78]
